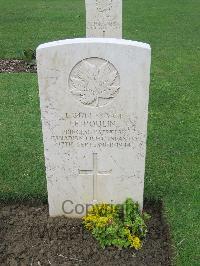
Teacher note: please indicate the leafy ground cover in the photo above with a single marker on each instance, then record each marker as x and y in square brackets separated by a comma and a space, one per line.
[172, 171]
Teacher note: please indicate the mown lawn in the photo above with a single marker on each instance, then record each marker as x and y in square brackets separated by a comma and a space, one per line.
[172, 172]
[22, 171]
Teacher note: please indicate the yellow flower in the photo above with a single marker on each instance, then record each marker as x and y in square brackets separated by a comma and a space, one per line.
[136, 242]
[91, 221]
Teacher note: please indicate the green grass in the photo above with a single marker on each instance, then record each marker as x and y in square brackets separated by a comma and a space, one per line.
[28, 23]
[172, 172]
[22, 174]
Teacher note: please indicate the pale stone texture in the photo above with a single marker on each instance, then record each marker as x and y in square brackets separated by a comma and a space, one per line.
[94, 105]
[104, 18]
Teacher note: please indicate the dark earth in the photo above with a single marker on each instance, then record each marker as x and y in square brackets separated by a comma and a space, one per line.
[28, 236]
[16, 66]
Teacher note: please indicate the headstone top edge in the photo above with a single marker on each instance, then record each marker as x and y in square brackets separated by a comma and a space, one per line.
[94, 40]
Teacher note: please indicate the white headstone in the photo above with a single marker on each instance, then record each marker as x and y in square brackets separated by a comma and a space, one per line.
[94, 105]
[104, 18]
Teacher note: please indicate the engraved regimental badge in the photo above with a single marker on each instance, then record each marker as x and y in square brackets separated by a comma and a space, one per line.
[94, 82]
[103, 5]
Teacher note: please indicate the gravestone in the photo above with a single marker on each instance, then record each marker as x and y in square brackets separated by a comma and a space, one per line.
[94, 106]
[104, 18]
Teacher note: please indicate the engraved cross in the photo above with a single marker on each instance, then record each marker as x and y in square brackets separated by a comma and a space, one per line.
[95, 173]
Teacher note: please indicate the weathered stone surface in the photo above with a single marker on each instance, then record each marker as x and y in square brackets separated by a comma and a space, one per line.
[94, 105]
[104, 18]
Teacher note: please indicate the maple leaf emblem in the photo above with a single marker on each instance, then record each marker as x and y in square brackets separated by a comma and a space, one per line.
[94, 83]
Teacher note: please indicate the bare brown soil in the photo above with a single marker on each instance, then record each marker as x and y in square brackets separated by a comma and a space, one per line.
[28, 236]
[16, 66]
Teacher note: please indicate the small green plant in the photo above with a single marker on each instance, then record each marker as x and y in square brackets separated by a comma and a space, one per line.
[28, 55]
[119, 225]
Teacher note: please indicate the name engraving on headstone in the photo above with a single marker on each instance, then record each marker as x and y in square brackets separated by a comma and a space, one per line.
[100, 130]
[103, 24]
